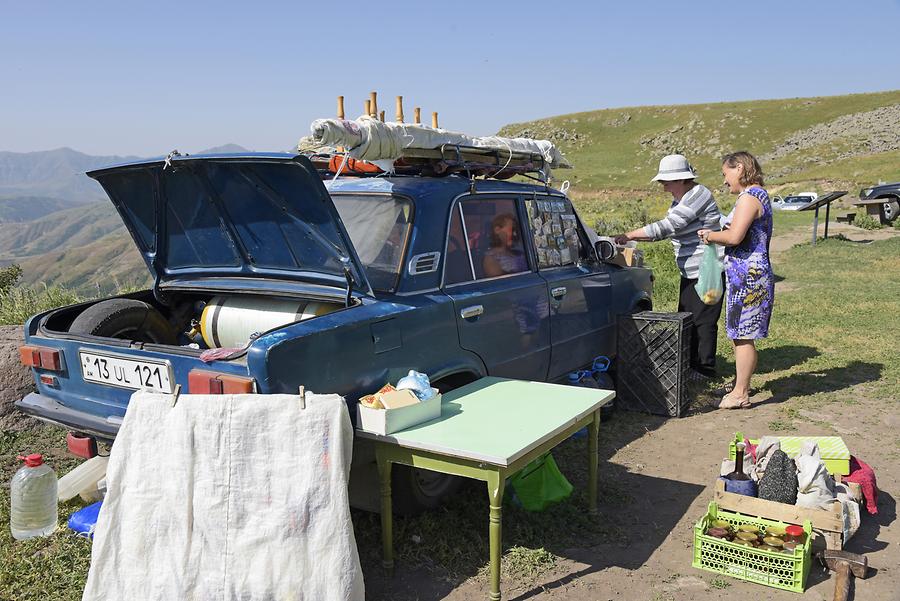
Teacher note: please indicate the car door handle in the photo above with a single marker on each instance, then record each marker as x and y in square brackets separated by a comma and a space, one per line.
[470, 312]
[558, 292]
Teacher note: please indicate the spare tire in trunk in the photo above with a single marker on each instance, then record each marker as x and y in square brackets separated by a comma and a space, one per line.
[127, 319]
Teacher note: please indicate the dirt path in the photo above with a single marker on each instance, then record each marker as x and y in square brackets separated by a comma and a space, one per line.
[667, 468]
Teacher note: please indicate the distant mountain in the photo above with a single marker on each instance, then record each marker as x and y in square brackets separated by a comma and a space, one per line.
[60, 173]
[53, 173]
[57, 231]
[225, 148]
[17, 209]
[98, 267]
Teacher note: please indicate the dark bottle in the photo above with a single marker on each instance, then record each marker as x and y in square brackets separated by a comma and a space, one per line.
[738, 473]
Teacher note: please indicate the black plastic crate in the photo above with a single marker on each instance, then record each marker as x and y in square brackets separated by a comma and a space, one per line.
[654, 352]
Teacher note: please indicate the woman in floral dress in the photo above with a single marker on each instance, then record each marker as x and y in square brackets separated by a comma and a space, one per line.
[749, 282]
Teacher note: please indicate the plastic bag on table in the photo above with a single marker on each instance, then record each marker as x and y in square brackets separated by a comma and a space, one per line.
[709, 282]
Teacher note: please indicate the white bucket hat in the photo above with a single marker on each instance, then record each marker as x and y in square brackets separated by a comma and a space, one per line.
[674, 167]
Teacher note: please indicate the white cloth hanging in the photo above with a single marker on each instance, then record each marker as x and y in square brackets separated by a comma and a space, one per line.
[226, 497]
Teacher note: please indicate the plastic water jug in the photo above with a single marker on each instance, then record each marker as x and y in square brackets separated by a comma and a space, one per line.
[600, 371]
[83, 478]
[583, 379]
[33, 499]
[418, 383]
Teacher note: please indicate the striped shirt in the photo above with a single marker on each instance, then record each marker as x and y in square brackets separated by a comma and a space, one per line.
[695, 211]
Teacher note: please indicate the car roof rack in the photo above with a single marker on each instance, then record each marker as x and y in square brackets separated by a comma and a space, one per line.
[444, 160]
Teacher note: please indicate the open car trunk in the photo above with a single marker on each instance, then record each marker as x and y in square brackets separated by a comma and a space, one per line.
[237, 245]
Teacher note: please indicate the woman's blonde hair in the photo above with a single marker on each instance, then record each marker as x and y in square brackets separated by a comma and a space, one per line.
[753, 173]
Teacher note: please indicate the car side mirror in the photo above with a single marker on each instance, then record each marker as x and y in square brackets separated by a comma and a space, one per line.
[605, 248]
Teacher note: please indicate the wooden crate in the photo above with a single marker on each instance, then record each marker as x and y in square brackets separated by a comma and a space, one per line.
[827, 523]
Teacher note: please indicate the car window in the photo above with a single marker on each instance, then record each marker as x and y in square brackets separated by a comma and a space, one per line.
[554, 227]
[378, 226]
[485, 241]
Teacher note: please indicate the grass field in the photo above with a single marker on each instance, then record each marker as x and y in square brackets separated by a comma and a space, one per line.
[833, 341]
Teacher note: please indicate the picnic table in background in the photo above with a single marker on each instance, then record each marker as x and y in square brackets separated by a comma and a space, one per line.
[816, 205]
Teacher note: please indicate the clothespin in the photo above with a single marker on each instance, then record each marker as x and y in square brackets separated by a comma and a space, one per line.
[302, 397]
[176, 394]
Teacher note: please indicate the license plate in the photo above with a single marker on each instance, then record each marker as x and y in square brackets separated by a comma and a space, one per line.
[126, 373]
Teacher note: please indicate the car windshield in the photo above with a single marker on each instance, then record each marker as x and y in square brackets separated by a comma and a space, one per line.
[379, 227]
[797, 199]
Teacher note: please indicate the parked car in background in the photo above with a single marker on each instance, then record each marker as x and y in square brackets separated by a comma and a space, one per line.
[372, 277]
[881, 201]
[793, 202]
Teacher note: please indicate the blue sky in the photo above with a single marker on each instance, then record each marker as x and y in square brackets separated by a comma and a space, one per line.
[128, 78]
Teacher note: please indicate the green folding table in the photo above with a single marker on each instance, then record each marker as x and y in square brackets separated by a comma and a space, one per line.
[489, 430]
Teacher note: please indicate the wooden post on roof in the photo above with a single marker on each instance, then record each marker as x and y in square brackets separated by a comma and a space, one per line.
[417, 115]
[368, 109]
[399, 109]
[434, 122]
[373, 99]
[381, 116]
[340, 107]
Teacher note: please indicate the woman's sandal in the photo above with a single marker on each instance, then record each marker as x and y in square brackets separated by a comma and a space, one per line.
[725, 388]
[730, 402]
[728, 387]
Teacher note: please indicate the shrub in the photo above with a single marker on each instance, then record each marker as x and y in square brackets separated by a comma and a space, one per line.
[8, 277]
[17, 304]
[867, 222]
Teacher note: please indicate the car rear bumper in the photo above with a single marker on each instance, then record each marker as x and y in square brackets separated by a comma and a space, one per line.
[48, 410]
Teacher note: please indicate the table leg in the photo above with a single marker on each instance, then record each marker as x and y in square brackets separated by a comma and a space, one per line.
[593, 453]
[495, 483]
[387, 534]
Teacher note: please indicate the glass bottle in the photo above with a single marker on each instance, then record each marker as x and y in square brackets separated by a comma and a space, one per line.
[738, 473]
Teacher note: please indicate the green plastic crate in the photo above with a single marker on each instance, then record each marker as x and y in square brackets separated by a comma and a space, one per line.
[835, 454]
[771, 568]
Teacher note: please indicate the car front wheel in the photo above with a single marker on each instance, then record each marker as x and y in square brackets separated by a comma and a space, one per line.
[890, 210]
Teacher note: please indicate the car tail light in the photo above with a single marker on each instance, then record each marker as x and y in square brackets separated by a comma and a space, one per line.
[210, 382]
[38, 356]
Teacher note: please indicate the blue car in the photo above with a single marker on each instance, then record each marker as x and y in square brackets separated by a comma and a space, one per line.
[268, 275]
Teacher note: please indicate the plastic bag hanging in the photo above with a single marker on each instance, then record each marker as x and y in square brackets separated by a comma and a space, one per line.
[709, 285]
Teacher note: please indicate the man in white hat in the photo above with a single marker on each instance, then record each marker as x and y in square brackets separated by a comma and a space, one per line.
[693, 208]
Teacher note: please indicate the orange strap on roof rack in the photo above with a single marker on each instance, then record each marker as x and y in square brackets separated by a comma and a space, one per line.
[352, 166]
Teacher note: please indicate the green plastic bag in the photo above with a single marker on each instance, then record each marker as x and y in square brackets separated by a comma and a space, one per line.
[540, 484]
[709, 283]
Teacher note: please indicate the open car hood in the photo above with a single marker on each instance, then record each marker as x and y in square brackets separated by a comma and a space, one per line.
[260, 216]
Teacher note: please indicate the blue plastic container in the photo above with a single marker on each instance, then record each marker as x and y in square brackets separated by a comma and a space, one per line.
[747, 488]
[84, 520]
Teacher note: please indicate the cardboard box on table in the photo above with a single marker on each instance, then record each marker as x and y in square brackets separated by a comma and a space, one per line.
[402, 410]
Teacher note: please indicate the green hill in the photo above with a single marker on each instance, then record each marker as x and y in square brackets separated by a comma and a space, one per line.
[852, 139]
[26, 208]
[59, 230]
[99, 267]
